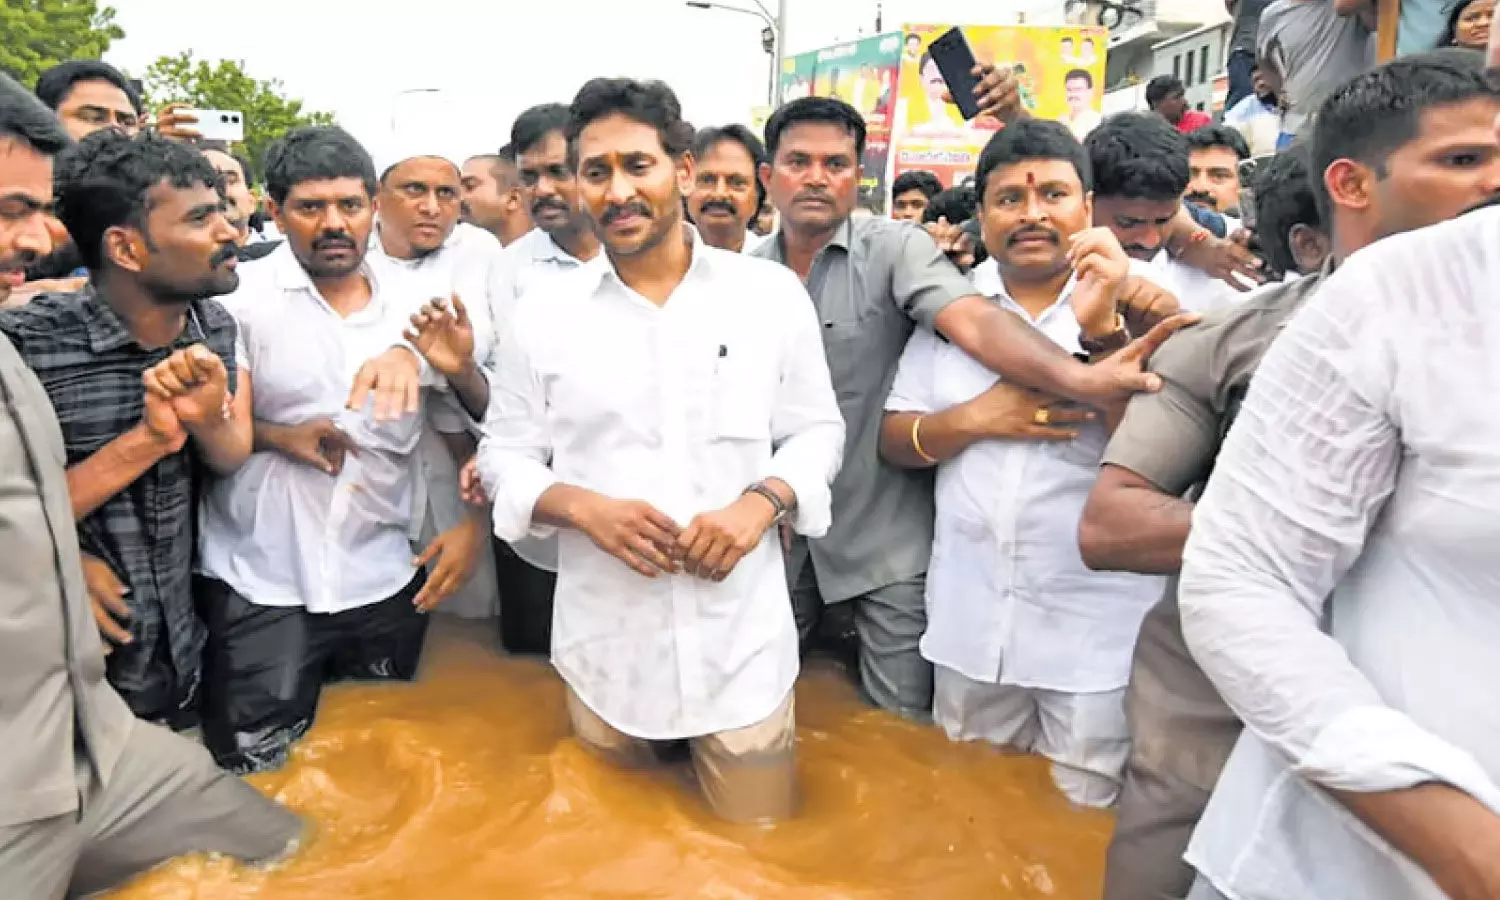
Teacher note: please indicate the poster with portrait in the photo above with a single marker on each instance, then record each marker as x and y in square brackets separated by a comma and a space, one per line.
[1061, 75]
[863, 74]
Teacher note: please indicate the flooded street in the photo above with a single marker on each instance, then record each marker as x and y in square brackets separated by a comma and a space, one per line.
[465, 785]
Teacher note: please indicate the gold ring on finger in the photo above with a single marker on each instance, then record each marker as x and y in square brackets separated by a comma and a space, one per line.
[1042, 416]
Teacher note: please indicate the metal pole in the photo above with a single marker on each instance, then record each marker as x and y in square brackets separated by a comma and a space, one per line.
[775, 75]
[780, 56]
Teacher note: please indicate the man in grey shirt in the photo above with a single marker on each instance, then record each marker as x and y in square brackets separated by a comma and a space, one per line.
[1307, 48]
[89, 796]
[872, 281]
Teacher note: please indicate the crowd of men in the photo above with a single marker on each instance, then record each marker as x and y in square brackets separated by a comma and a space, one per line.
[246, 448]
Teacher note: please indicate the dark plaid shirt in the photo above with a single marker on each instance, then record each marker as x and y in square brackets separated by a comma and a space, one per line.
[91, 368]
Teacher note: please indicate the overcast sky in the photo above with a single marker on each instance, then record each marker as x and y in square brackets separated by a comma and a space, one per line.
[493, 58]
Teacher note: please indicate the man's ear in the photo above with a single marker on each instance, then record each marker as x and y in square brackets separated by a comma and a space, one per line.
[125, 247]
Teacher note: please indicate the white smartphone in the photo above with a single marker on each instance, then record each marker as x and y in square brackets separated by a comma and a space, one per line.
[218, 124]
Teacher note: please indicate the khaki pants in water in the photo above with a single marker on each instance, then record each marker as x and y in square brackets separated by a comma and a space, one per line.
[748, 775]
[165, 798]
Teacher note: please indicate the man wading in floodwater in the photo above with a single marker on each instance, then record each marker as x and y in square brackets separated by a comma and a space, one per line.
[636, 410]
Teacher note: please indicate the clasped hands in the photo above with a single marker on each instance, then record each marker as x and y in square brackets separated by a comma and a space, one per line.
[650, 542]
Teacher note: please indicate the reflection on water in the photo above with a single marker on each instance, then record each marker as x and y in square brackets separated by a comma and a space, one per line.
[465, 786]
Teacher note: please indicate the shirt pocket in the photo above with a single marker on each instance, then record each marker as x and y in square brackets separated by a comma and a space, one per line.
[740, 400]
[1086, 450]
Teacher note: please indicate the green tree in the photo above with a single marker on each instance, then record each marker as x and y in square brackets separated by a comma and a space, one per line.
[36, 35]
[269, 113]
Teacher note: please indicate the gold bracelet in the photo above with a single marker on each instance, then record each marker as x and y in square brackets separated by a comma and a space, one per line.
[916, 441]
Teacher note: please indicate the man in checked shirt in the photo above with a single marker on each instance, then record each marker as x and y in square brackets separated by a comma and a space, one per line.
[151, 227]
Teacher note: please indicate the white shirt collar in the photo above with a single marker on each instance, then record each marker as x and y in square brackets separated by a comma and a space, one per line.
[988, 281]
[544, 249]
[290, 276]
[700, 265]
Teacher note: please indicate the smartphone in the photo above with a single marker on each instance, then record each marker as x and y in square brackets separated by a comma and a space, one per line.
[218, 124]
[955, 60]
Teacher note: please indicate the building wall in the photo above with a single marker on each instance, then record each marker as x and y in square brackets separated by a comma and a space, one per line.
[1197, 58]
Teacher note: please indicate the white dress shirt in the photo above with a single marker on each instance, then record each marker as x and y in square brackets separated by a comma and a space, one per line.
[280, 532]
[682, 406]
[1009, 600]
[1341, 585]
[469, 263]
[1196, 290]
[532, 262]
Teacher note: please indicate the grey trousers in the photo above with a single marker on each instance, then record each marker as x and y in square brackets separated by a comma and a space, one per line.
[888, 622]
[166, 798]
[1154, 821]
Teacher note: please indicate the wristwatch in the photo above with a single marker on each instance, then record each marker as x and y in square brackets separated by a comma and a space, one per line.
[760, 488]
[1106, 343]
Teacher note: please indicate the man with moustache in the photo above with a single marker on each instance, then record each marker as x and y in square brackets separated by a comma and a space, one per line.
[1401, 147]
[663, 409]
[561, 242]
[1214, 156]
[492, 197]
[417, 231]
[150, 224]
[29, 144]
[306, 562]
[873, 280]
[562, 239]
[89, 796]
[1081, 117]
[1032, 651]
[727, 192]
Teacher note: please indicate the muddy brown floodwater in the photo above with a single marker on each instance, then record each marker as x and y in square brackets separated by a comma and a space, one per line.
[466, 785]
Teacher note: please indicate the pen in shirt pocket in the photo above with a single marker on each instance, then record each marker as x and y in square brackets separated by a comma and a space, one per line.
[719, 360]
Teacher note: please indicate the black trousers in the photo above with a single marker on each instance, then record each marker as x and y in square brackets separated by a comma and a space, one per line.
[264, 667]
[525, 602]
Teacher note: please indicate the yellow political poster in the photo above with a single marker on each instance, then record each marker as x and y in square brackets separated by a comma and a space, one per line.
[1060, 73]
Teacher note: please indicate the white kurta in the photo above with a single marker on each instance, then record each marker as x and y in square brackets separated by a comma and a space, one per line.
[1341, 585]
[469, 264]
[683, 406]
